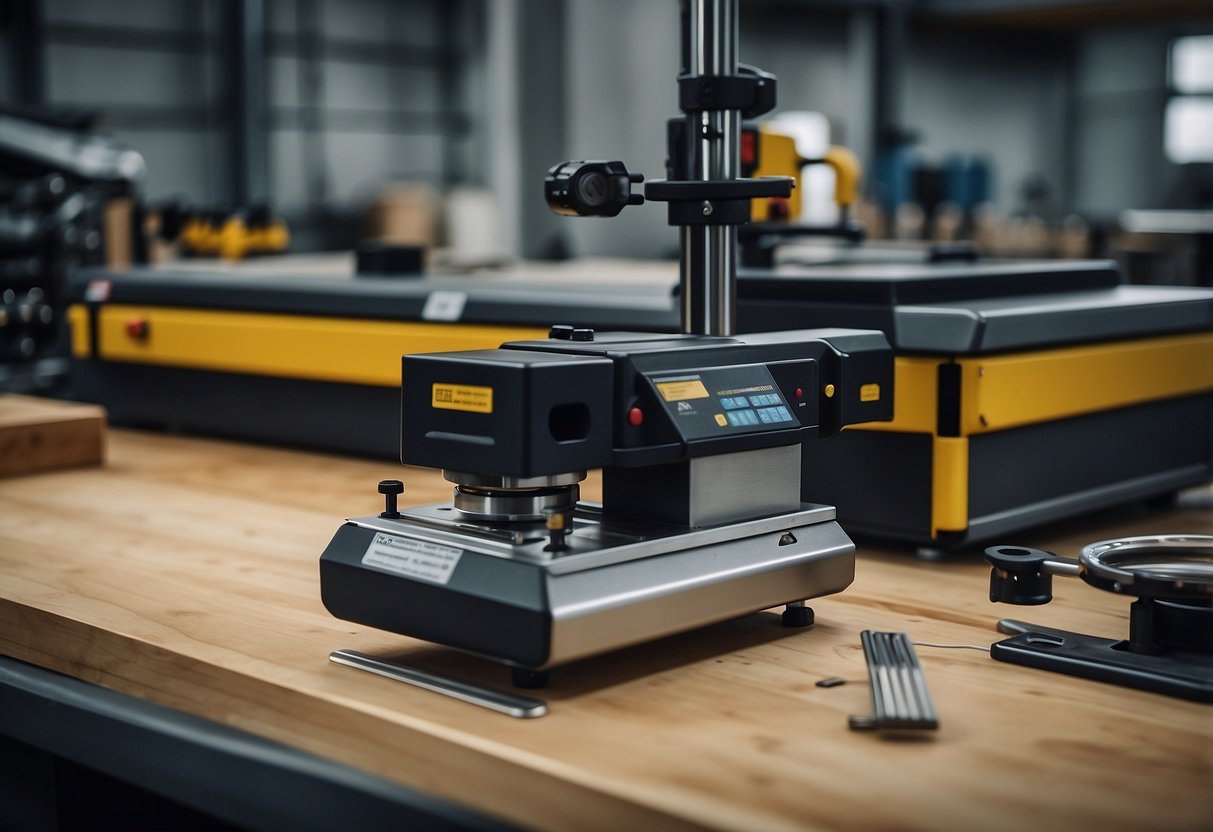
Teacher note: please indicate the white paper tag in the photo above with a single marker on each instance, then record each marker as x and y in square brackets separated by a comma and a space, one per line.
[412, 558]
[444, 306]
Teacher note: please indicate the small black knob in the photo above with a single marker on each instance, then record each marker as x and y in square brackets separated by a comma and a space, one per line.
[561, 332]
[557, 521]
[581, 334]
[1019, 575]
[390, 489]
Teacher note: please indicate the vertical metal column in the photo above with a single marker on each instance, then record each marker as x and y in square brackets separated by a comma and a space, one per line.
[709, 252]
[247, 92]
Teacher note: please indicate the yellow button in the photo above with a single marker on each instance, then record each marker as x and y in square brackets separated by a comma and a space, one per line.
[829, 391]
[720, 420]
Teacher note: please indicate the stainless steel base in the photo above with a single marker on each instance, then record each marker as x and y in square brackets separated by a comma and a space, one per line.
[504, 597]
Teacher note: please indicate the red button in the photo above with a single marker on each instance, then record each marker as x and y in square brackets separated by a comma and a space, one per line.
[635, 417]
[798, 393]
[137, 328]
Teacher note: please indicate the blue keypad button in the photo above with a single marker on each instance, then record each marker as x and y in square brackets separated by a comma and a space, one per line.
[774, 415]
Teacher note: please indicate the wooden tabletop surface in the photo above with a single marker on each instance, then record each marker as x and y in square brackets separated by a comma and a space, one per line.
[184, 571]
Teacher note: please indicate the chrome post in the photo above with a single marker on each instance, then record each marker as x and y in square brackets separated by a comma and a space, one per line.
[708, 266]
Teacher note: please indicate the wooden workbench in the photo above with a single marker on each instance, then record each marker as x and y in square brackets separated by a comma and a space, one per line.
[184, 572]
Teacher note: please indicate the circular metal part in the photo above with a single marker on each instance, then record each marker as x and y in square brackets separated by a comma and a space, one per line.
[1152, 566]
[518, 504]
[497, 481]
[592, 188]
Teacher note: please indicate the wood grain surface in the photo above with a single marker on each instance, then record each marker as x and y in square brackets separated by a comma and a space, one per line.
[43, 434]
[185, 572]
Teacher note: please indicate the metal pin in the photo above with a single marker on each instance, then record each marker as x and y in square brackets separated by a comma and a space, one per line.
[511, 704]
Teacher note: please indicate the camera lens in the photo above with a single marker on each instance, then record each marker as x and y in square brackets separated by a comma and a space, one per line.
[592, 189]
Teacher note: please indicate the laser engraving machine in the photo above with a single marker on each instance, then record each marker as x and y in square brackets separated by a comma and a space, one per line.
[699, 436]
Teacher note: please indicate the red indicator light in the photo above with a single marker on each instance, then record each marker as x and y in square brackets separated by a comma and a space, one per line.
[747, 147]
[635, 417]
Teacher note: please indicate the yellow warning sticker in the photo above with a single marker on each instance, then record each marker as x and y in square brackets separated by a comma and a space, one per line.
[677, 391]
[462, 397]
[869, 393]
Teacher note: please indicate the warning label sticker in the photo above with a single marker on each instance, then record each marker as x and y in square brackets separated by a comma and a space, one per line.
[462, 397]
[412, 558]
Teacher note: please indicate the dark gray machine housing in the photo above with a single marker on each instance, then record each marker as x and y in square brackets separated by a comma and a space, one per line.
[559, 406]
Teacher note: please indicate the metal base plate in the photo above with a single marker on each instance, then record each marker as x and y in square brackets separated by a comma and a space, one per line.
[1184, 675]
[495, 592]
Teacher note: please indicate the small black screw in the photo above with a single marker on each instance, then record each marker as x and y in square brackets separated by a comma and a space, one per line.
[390, 489]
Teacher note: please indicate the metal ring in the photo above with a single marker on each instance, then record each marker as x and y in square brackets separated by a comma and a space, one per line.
[525, 504]
[1178, 561]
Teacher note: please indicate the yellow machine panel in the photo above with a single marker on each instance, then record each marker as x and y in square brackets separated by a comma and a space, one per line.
[294, 346]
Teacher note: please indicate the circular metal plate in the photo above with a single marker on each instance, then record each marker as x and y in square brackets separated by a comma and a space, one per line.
[523, 504]
[1160, 566]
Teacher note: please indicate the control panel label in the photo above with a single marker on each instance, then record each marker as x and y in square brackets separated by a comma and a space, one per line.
[869, 393]
[412, 558]
[722, 401]
[462, 397]
[683, 390]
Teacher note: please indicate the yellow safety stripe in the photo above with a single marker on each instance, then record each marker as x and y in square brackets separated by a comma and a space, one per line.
[77, 318]
[297, 346]
[1012, 390]
[949, 484]
[1006, 391]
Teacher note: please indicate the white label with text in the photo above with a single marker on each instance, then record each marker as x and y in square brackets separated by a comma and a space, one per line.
[412, 558]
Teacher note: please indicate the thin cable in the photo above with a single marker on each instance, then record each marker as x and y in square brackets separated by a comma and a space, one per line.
[952, 646]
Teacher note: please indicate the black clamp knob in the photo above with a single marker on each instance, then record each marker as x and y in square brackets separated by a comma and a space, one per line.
[1020, 575]
[390, 489]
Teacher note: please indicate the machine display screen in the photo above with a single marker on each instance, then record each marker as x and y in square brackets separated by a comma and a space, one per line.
[723, 400]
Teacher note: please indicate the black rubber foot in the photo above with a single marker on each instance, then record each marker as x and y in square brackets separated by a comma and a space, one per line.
[530, 679]
[797, 616]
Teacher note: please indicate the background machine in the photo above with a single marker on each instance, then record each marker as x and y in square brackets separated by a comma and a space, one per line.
[699, 436]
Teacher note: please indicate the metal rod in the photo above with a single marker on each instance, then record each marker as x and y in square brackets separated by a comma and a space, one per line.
[709, 253]
[521, 707]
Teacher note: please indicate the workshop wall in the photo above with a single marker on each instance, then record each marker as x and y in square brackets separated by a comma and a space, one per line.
[155, 79]
[999, 97]
[358, 94]
[1120, 91]
[621, 113]
[361, 94]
